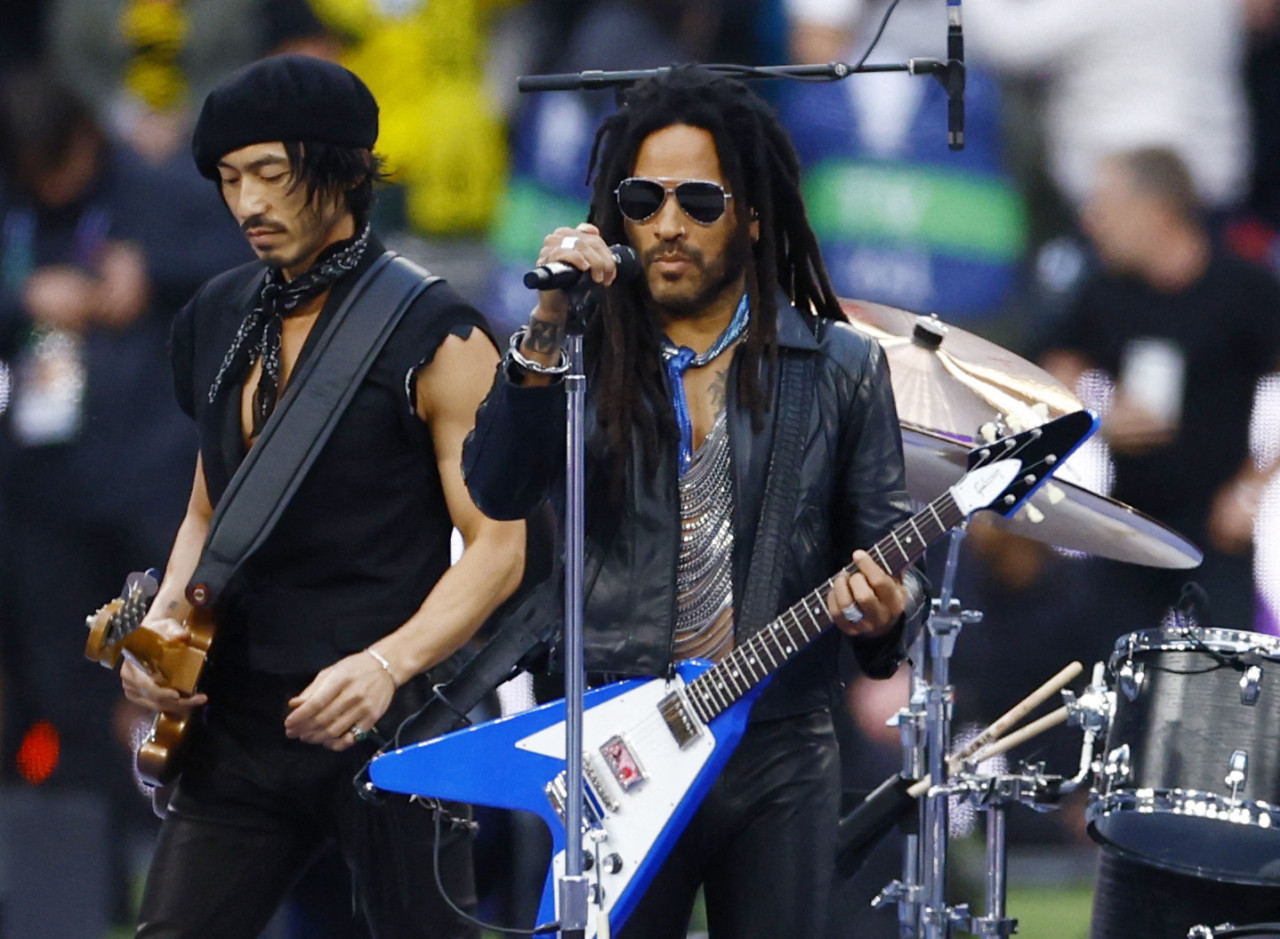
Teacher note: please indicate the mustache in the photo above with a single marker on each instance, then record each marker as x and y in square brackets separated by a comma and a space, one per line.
[260, 221]
[685, 253]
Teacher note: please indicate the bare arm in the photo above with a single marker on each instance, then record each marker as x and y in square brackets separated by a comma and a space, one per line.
[355, 691]
[170, 607]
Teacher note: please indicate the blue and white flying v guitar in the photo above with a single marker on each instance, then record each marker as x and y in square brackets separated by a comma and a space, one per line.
[652, 747]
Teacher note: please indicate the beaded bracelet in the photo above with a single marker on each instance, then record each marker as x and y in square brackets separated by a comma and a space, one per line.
[537, 368]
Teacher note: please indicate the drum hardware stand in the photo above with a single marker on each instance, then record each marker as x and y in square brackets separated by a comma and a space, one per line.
[925, 727]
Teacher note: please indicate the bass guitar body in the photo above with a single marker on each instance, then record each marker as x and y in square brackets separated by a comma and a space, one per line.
[116, 630]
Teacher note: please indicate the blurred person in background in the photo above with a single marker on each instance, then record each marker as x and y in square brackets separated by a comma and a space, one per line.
[1087, 79]
[96, 254]
[1124, 75]
[1184, 330]
[143, 65]
[901, 218]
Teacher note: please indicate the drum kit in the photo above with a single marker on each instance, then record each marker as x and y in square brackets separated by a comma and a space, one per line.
[1180, 749]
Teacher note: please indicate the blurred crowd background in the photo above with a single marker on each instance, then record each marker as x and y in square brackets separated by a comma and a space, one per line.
[107, 230]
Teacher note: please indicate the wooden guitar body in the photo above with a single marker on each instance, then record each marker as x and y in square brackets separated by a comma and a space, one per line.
[116, 630]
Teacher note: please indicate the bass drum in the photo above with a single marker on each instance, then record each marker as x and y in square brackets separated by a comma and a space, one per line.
[1190, 777]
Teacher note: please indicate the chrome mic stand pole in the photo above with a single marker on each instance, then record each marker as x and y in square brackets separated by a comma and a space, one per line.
[573, 885]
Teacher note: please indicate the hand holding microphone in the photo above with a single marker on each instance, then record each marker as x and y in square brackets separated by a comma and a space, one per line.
[569, 254]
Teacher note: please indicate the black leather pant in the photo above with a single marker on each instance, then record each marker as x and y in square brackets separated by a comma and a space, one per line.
[762, 844]
[253, 809]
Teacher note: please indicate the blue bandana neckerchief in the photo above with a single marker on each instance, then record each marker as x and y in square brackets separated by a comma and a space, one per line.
[679, 359]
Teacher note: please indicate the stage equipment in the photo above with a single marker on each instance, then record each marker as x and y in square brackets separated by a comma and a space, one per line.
[1190, 777]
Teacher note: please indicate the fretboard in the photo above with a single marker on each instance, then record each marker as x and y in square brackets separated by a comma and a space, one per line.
[771, 646]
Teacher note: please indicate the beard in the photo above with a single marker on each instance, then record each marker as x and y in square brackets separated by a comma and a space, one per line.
[714, 278]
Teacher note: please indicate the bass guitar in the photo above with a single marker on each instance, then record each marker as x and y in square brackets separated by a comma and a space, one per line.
[652, 747]
[117, 630]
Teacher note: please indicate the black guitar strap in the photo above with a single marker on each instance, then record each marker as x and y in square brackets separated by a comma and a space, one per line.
[782, 491]
[306, 415]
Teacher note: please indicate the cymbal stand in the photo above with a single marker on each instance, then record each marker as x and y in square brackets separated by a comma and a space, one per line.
[925, 729]
[938, 919]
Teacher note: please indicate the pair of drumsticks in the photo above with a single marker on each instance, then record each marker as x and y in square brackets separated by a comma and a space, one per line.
[992, 742]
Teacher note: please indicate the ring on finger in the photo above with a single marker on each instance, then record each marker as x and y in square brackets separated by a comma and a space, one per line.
[357, 734]
[569, 242]
[853, 613]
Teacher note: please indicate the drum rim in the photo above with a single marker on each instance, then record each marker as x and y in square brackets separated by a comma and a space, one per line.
[1191, 638]
[1149, 801]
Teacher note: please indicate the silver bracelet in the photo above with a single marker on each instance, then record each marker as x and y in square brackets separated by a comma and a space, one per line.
[537, 368]
[386, 666]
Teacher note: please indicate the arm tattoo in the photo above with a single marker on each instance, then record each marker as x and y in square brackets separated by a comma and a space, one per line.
[719, 389]
[543, 336]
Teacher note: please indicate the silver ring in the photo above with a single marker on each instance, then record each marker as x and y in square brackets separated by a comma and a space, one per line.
[853, 613]
[569, 242]
[357, 734]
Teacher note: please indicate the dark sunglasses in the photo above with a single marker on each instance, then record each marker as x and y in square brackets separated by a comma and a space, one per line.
[640, 198]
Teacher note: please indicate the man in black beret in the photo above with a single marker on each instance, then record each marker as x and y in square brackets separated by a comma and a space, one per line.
[327, 632]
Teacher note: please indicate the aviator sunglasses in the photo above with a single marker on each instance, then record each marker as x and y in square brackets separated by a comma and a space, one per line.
[640, 198]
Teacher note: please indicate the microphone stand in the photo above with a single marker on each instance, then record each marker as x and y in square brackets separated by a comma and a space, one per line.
[573, 888]
[949, 73]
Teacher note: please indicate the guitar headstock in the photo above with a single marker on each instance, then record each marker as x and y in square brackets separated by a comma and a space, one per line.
[112, 622]
[1004, 474]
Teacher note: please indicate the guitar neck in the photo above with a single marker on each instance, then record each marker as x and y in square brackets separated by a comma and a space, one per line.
[748, 664]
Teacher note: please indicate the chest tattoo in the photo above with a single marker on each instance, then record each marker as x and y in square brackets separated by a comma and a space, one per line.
[718, 390]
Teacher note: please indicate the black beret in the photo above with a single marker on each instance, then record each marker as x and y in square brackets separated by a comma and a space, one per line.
[284, 97]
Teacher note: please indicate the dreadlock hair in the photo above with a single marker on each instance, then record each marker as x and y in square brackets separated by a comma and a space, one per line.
[323, 168]
[763, 173]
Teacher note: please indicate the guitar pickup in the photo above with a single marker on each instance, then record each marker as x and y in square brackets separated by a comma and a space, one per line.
[678, 717]
[622, 763]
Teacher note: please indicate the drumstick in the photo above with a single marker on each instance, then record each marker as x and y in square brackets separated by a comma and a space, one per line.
[1005, 721]
[1004, 744]
[1015, 714]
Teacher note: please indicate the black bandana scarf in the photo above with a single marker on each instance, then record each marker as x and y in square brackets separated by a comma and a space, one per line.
[261, 330]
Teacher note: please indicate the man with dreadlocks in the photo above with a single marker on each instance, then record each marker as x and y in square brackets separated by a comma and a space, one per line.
[330, 626]
[690, 416]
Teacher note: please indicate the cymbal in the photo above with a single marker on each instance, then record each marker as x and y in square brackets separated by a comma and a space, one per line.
[1062, 513]
[954, 382]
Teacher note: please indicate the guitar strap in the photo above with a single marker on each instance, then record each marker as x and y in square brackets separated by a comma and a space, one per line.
[782, 491]
[304, 418]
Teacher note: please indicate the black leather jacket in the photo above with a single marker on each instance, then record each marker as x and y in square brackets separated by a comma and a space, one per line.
[852, 493]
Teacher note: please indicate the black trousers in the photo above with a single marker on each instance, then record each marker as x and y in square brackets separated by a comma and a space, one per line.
[253, 809]
[762, 844]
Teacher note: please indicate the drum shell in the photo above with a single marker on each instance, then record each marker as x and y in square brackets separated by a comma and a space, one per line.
[1180, 715]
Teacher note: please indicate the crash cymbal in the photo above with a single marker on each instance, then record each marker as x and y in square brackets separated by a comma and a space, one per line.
[953, 382]
[1062, 513]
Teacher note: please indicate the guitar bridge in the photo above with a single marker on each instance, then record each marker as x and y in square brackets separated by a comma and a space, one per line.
[674, 708]
[596, 799]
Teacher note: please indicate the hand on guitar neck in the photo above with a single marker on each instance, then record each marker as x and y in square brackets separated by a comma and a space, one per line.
[867, 602]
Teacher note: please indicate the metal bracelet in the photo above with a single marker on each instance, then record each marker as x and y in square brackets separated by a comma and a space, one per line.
[537, 368]
[386, 666]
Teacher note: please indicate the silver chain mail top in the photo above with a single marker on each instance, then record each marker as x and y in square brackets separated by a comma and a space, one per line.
[704, 573]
